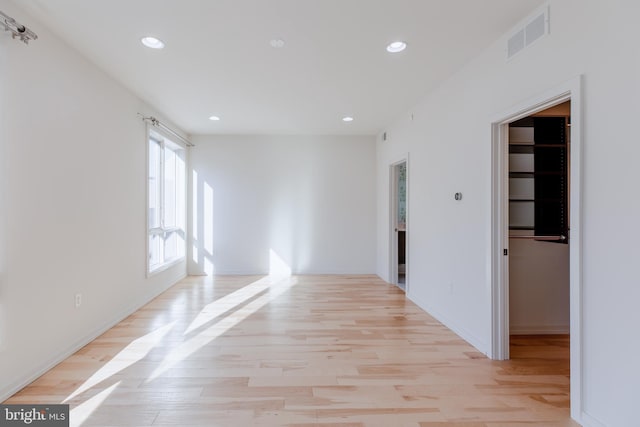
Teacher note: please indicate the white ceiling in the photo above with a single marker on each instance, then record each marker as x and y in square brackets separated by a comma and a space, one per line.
[218, 59]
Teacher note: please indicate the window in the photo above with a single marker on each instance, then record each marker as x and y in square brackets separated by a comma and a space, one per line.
[167, 204]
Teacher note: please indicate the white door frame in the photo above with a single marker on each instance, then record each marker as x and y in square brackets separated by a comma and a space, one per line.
[499, 350]
[393, 220]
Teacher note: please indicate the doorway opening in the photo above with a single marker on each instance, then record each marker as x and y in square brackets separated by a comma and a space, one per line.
[539, 148]
[536, 228]
[398, 210]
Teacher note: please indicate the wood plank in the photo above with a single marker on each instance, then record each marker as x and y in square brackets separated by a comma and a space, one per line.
[307, 350]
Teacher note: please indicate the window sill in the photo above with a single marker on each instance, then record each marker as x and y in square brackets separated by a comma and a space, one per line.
[165, 266]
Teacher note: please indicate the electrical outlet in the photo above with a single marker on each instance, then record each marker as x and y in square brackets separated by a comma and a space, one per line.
[78, 300]
[451, 287]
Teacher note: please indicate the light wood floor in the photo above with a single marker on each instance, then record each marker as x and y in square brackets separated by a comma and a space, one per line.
[310, 350]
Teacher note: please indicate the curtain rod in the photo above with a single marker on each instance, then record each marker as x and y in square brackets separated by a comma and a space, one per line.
[17, 30]
[157, 123]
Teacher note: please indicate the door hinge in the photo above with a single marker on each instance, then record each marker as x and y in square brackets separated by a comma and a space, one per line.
[506, 252]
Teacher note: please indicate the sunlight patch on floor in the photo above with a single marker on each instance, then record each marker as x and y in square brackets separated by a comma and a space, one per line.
[226, 303]
[82, 412]
[192, 345]
[131, 354]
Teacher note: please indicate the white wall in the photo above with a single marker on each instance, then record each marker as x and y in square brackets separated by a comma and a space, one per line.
[449, 143]
[538, 287]
[310, 199]
[72, 165]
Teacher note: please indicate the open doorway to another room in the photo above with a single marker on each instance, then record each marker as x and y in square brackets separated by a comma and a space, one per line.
[538, 253]
[399, 224]
[539, 152]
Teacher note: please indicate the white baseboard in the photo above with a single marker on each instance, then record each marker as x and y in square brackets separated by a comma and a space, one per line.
[461, 332]
[539, 330]
[9, 390]
[588, 421]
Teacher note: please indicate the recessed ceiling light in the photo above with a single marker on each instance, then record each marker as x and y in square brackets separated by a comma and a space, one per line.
[277, 43]
[396, 47]
[152, 42]
[214, 118]
[347, 119]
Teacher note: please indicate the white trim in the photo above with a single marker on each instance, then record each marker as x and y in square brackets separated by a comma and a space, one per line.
[575, 249]
[451, 324]
[147, 136]
[165, 266]
[407, 235]
[161, 133]
[499, 242]
[588, 421]
[393, 236]
[572, 90]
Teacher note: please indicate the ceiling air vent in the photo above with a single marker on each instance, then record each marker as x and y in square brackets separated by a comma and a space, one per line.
[528, 32]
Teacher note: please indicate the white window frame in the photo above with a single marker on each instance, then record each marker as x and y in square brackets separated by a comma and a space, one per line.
[164, 141]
